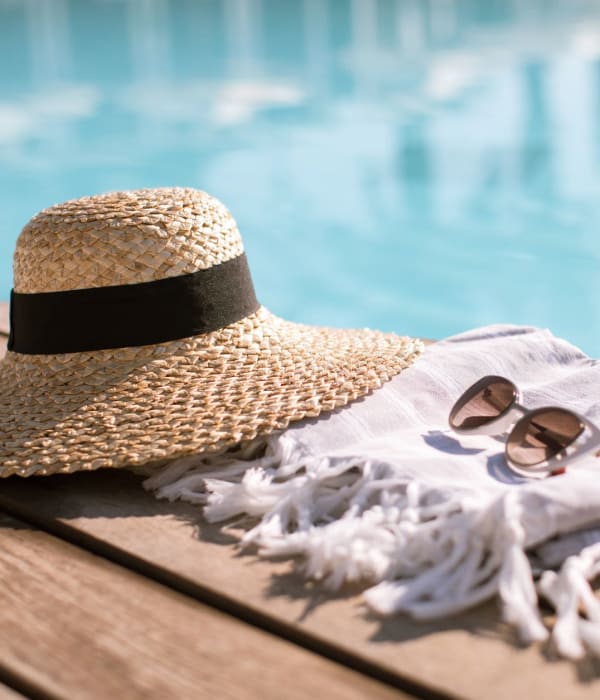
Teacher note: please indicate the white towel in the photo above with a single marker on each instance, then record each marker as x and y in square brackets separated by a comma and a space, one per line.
[384, 493]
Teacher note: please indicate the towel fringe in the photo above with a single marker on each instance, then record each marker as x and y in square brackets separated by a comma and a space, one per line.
[419, 547]
[571, 595]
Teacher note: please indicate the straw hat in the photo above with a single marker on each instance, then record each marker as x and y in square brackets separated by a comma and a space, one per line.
[136, 338]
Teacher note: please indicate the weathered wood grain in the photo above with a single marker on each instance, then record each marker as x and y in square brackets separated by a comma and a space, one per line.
[469, 656]
[78, 626]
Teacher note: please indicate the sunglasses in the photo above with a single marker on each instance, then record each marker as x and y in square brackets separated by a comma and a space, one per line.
[540, 442]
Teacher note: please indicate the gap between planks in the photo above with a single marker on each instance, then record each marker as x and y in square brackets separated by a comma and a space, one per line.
[7, 693]
[77, 626]
[124, 507]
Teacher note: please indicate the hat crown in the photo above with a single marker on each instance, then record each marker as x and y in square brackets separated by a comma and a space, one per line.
[123, 238]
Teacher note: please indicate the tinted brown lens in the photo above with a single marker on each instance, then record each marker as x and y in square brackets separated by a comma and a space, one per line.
[542, 434]
[482, 403]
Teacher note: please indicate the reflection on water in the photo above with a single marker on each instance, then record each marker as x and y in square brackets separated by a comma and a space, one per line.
[421, 166]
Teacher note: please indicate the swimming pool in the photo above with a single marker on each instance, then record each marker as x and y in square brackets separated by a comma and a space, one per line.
[417, 166]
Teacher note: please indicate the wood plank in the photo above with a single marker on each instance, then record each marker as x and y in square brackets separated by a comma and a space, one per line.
[77, 626]
[469, 656]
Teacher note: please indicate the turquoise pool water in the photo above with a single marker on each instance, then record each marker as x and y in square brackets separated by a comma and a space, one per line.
[417, 166]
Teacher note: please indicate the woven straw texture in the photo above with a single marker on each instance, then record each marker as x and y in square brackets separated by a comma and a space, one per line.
[134, 406]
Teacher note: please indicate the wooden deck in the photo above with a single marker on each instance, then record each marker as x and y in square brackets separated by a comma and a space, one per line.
[109, 593]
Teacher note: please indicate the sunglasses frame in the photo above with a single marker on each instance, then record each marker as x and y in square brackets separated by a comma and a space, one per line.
[586, 442]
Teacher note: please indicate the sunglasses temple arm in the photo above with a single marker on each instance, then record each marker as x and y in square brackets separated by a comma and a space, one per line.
[593, 444]
[519, 408]
[591, 447]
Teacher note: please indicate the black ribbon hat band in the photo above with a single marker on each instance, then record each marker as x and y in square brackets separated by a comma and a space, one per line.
[132, 315]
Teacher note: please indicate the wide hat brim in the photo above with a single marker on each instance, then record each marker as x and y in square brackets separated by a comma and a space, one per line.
[145, 405]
